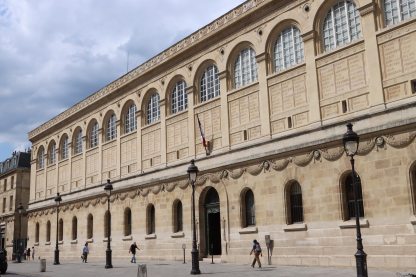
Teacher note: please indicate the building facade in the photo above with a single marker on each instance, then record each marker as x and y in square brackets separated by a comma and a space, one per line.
[271, 84]
[14, 190]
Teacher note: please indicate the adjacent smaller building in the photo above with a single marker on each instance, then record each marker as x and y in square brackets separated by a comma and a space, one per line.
[14, 189]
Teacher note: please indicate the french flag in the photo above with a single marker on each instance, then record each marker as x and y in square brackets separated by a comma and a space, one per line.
[204, 142]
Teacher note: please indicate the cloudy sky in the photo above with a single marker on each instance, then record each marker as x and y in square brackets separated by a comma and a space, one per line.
[55, 53]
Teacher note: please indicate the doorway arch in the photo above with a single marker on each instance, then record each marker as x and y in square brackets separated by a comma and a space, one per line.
[211, 223]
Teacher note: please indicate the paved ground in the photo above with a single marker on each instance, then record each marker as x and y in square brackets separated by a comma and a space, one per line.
[176, 269]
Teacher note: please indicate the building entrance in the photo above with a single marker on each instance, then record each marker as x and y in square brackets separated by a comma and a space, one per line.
[212, 223]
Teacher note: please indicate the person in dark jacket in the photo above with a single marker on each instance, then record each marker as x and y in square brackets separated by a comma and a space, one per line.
[256, 249]
[132, 250]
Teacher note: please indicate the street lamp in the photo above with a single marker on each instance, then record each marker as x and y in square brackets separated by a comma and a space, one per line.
[192, 173]
[20, 209]
[108, 188]
[58, 200]
[351, 141]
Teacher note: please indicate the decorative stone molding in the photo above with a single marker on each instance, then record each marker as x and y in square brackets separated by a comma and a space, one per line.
[332, 154]
[303, 160]
[308, 35]
[178, 235]
[279, 165]
[150, 236]
[156, 189]
[366, 9]
[365, 147]
[236, 173]
[295, 227]
[144, 192]
[249, 230]
[400, 140]
[351, 223]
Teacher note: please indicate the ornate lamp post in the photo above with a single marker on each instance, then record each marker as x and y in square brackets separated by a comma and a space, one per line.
[20, 209]
[192, 173]
[108, 188]
[351, 141]
[58, 200]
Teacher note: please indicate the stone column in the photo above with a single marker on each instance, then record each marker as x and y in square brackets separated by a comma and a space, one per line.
[191, 121]
[100, 156]
[139, 140]
[118, 149]
[263, 95]
[225, 126]
[163, 131]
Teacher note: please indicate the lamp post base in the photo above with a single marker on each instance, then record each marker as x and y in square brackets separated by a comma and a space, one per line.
[56, 259]
[108, 263]
[195, 262]
[361, 263]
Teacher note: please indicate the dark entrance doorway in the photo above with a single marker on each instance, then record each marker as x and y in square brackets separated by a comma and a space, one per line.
[212, 223]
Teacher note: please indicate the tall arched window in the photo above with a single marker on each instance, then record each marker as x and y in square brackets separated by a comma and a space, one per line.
[153, 108]
[130, 121]
[78, 142]
[93, 135]
[107, 217]
[90, 226]
[249, 212]
[37, 232]
[396, 11]
[210, 83]
[41, 157]
[111, 130]
[74, 228]
[151, 220]
[245, 68]
[48, 231]
[127, 222]
[52, 153]
[64, 148]
[341, 25]
[294, 203]
[288, 49]
[179, 98]
[61, 230]
[348, 197]
[177, 216]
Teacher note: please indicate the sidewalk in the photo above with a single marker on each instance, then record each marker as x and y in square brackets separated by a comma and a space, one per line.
[123, 268]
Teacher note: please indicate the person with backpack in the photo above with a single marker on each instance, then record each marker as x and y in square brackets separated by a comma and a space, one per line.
[256, 249]
[132, 250]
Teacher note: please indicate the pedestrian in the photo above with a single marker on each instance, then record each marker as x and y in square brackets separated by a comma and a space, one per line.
[33, 253]
[256, 249]
[85, 252]
[24, 254]
[28, 254]
[132, 250]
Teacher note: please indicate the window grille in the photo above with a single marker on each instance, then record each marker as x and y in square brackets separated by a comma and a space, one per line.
[111, 128]
[37, 232]
[341, 25]
[127, 222]
[74, 228]
[130, 119]
[350, 197]
[296, 207]
[64, 148]
[245, 68]
[396, 11]
[48, 231]
[90, 226]
[153, 109]
[61, 230]
[151, 220]
[250, 215]
[288, 49]
[94, 135]
[178, 217]
[41, 158]
[52, 153]
[78, 143]
[179, 97]
[210, 83]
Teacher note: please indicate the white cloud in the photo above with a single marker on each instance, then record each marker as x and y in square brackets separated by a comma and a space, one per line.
[55, 53]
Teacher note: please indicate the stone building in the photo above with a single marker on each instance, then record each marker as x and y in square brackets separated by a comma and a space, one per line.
[14, 190]
[273, 84]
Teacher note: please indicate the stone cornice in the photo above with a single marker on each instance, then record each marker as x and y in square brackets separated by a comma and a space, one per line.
[188, 42]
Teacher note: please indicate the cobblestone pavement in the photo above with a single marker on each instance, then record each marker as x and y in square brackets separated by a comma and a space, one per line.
[175, 269]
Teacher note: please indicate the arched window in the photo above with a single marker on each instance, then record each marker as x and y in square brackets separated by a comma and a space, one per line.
[153, 108]
[245, 68]
[78, 142]
[127, 222]
[179, 98]
[74, 228]
[37, 232]
[177, 216]
[52, 153]
[64, 147]
[288, 50]
[396, 11]
[348, 197]
[107, 216]
[90, 226]
[151, 219]
[41, 157]
[210, 83]
[93, 135]
[341, 25]
[61, 230]
[130, 121]
[48, 231]
[111, 130]
[294, 203]
[249, 212]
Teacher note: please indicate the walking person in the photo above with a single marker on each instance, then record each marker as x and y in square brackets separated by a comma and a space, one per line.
[28, 254]
[85, 252]
[132, 250]
[256, 249]
[33, 253]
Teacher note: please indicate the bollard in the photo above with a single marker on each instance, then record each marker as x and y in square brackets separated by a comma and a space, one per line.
[142, 270]
[42, 265]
